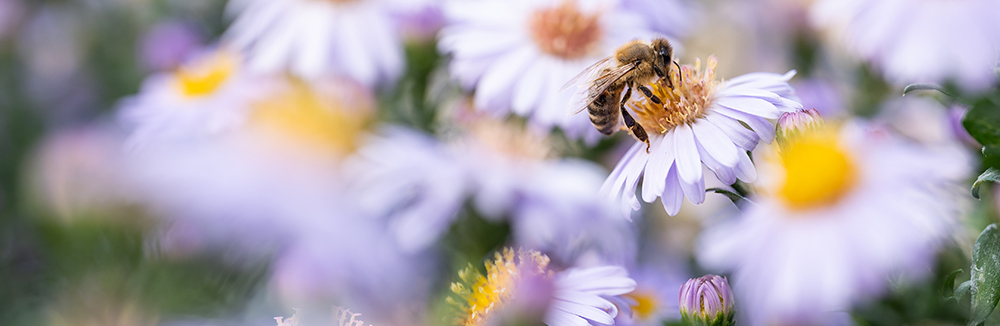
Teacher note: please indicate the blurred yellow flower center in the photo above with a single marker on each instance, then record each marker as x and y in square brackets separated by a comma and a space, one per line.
[564, 31]
[818, 170]
[478, 295]
[508, 139]
[646, 304]
[688, 100]
[205, 76]
[306, 117]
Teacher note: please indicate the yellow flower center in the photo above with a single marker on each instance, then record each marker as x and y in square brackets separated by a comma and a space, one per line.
[207, 75]
[818, 170]
[686, 102]
[564, 31]
[303, 116]
[478, 295]
[646, 304]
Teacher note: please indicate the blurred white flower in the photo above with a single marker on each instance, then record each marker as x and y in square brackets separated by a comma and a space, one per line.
[922, 40]
[579, 296]
[421, 184]
[703, 120]
[274, 187]
[321, 39]
[207, 96]
[518, 54]
[841, 211]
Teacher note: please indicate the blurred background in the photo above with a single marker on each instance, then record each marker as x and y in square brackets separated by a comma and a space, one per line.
[110, 217]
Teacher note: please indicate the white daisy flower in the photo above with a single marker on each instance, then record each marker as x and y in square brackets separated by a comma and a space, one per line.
[705, 121]
[840, 213]
[506, 171]
[518, 54]
[207, 96]
[920, 41]
[319, 39]
[580, 296]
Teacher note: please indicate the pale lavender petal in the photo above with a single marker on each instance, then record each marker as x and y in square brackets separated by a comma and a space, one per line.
[686, 155]
[672, 196]
[715, 143]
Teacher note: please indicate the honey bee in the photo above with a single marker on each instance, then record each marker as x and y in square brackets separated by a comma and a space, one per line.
[632, 66]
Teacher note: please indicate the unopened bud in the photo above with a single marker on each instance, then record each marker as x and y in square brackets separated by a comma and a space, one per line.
[792, 124]
[707, 301]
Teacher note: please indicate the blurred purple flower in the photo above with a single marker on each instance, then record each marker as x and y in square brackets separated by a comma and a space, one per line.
[922, 40]
[314, 40]
[674, 18]
[821, 95]
[420, 185]
[168, 44]
[840, 211]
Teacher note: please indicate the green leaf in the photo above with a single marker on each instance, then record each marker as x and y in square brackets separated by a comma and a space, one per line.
[949, 285]
[985, 286]
[924, 87]
[983, 123]
[735, 197]
[991, 175]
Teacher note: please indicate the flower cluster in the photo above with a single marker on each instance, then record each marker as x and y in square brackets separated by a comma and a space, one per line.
[419, 161]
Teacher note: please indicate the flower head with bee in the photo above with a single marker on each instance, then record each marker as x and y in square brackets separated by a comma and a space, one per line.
[517, 54]
[698, 120]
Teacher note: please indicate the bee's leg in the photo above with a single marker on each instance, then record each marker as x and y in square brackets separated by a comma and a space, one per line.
[663, 77]
[634, 127]
[649, 94]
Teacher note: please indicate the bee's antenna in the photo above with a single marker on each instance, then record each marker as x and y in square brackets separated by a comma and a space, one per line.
[680, 76]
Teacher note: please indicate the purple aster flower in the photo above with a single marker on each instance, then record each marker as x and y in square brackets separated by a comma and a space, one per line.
[702, 120]
[922, 40]
[518, 54]
[841, 210]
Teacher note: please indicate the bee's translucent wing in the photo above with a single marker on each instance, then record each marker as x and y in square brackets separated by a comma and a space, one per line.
[587, 93]
[590, 72]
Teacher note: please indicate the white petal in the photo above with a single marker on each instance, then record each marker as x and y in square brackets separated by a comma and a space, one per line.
[588, 312]
[500, 78]
[745, 169]
[672, 196]
[745, 138]
[754, 106]
[761, 126]
[686, 155]
[716, 143]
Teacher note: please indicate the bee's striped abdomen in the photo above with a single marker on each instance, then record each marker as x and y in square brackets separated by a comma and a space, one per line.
[604, 112]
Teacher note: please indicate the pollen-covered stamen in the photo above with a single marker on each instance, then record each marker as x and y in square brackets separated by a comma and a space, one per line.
[687, 101]
[564, 31]
[478, 295]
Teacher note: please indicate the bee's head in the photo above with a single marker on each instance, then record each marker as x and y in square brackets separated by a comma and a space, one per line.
[664, 53]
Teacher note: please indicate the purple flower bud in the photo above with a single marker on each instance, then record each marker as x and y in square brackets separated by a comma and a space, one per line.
[793, 123]
[707, 300]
